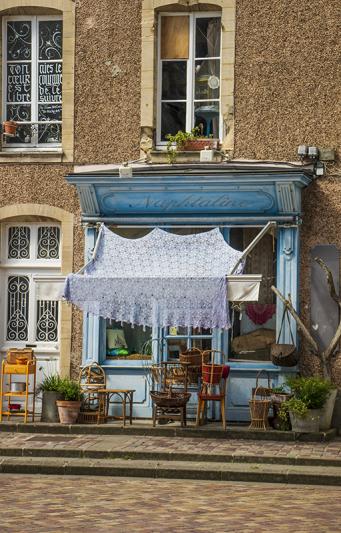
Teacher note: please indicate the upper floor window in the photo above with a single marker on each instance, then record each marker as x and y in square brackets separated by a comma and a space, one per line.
[32, 74]
[189, 54]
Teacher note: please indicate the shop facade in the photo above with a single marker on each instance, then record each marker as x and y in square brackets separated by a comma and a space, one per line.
[239, 200]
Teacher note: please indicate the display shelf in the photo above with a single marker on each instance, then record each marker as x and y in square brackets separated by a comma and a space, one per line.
[27, 371]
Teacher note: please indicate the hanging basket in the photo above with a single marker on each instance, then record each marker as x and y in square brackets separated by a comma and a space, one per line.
[284, 354]
[260, 405]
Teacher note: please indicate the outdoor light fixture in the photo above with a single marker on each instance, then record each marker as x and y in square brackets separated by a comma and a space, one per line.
[302, 150]
[308, 152]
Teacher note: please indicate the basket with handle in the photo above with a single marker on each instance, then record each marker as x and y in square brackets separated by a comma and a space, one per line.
[260, 404]
[192, 357]
[284, 354]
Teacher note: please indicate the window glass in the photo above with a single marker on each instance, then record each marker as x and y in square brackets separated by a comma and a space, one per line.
[48, 242]
[33, 72]
[47, 321]
[127, 342]
[254, 323]
[190, 88]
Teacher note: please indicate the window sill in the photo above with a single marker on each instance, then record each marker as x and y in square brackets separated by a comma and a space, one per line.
[31, 156]
[160, 156]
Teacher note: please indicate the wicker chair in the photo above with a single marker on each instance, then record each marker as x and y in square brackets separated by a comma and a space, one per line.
[170, 402]
[213, 385]
[92, 378]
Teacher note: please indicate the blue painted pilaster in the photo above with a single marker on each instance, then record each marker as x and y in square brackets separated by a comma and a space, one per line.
[287, 277]
[91, 324]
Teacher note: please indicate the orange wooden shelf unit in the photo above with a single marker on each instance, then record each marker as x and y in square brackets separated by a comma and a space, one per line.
[28, 371]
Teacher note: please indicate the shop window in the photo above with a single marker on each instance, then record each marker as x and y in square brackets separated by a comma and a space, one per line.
[31, 266]
[127, 342]
[189, 74]
[32, 73]
[254, 323]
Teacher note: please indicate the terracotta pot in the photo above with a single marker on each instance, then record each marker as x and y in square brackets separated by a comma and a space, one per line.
[10, 127]
[199, 144]
[68, 411]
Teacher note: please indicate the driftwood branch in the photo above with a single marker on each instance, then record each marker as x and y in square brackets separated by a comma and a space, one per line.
[297, 319]
[330, 280]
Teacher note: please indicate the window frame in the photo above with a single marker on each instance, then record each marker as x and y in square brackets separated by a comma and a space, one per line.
[36, 270]
[34, 145]
[190, 99]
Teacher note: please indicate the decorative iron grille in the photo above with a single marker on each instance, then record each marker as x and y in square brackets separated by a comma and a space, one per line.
[17, 308]
[19, 242]
[47, 321]
[48, 242]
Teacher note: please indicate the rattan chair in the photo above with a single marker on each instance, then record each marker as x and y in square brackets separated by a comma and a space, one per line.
[213, 385]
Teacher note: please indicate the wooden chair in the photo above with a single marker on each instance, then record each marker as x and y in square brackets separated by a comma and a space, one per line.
[213, 385]
[92, 378]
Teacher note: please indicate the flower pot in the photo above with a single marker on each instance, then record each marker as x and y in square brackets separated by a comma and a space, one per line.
[196, 145]
[68, 411]
[306, 424]
[9, 127]
[327, 411]
[49, 411]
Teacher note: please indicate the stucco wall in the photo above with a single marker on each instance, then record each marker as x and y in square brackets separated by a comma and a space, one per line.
[107, 91]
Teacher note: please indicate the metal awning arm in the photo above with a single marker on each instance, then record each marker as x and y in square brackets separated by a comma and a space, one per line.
[253, 244]
[94, 253]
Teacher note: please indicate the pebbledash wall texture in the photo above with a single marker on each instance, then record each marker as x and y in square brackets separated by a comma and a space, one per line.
[287, 92]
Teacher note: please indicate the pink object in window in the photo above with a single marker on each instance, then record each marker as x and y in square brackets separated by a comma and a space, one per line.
[260, 313]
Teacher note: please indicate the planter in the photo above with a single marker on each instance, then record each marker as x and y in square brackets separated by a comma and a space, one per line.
[196, 145]
[327, 411]
[308, 424]
[9, 127]
[49, 411]
[68, 411]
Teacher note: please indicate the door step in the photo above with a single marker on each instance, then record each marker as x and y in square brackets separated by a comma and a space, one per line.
[253, 472]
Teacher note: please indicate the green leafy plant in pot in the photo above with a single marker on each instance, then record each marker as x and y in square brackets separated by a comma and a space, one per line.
[50, 388]
[309, 395]
[69, 407]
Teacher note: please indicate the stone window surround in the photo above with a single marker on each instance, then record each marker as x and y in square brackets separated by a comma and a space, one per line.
[30, 212]
[150, 9]
[66, 8]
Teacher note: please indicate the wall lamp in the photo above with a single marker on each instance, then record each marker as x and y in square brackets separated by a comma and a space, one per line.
[311, 154]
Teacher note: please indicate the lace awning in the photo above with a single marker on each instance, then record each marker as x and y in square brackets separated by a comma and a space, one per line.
[162, 279]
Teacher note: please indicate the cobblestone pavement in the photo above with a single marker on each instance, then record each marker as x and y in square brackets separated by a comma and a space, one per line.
[53, 504]
[129, 443]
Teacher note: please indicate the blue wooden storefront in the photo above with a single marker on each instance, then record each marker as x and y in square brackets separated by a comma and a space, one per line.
[215, 196]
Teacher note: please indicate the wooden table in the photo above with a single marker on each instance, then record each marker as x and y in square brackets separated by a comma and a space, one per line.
[105, 396]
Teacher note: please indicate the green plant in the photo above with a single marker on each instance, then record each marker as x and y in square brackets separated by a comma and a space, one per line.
[71, 390]
[296, 406]
[180, 138]
[312, 391]
[281, 389]
[283, 415]
[51, 383]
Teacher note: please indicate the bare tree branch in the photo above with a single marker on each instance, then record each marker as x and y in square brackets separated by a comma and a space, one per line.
[297, 319]
[330, 280]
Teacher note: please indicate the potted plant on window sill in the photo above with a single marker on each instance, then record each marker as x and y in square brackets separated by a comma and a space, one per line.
[193, 141]
[69, 407]
[50, 387]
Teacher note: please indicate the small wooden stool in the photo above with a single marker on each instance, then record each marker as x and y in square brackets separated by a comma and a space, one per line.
[126, 396]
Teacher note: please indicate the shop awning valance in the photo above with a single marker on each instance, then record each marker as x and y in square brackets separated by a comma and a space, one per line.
[162, 279]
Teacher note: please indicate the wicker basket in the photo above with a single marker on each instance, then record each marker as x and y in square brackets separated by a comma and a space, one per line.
[170, 398]
[260, 405]
[192, 356]
[19, 355]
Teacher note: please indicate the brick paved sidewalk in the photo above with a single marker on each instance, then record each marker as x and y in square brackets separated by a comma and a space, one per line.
[53, 504]
[99, 445]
